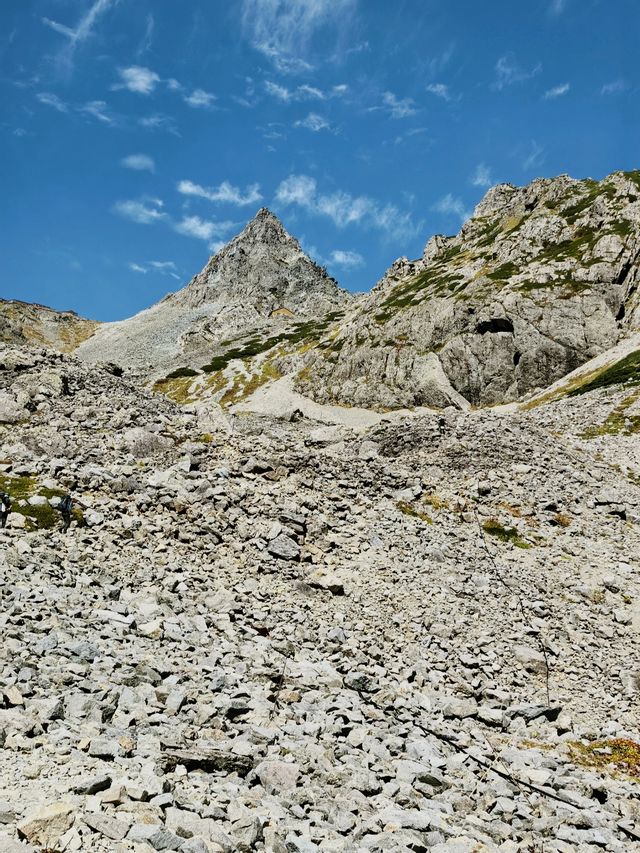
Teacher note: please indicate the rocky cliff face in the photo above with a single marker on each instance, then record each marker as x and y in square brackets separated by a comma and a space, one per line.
[539, 280]
[261, 279]
[30, 324]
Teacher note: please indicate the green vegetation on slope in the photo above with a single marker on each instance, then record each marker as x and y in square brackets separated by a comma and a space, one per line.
[623, 372]
[309, 331]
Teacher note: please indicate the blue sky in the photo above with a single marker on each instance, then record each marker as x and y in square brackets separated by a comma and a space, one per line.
[137, 136]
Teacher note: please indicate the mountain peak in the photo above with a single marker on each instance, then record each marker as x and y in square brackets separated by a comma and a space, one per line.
[264, 227]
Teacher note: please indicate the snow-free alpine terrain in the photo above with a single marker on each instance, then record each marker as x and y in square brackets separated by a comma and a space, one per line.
[316, 600]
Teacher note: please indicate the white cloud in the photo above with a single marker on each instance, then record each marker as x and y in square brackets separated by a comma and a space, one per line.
[283, 29]
[440, 90]
[482, 176]
[345, 259]
[81, 32]
[297, 189]
[139, 162]
[302, 93]
[143, 212]
[225, 193]
[452, 205]
[557, 91]
[314, 122]
[398, 107]
[148, 211]
[162, 267]
[51, 100]
[200, 98]
[613, 88]
[557, 7]
[201, 229]
[508, 72]
[343, 208]
[277, 91]
[138, 79]
[97, 109]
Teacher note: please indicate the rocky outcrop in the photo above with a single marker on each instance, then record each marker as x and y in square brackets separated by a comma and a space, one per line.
[538, 281]
[25, 323]
[259, 282]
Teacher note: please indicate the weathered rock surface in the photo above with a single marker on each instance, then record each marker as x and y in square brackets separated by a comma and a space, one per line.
[26, 324]
[539, 280]
[448, 663]
[260, 282]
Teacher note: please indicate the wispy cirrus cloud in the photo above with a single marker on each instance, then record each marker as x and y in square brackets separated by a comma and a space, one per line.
[509, 72]
[82, 31]
[167, 268]
[139, 163]
[99, 110]
[283, 30]
[159, 121]
[303, 93]
[345, 209]
[313, 122]
[440, 90]
[614, 88]
[224, 193]
[51, 100]
[147, 38]
[556, 91]
[482, 176]
[453, 206]
[534, 157]
[398, 107]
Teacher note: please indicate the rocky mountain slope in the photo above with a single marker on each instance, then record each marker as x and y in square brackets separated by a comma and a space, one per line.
[286, 637]
[260, 282]
[538, 281]
[26, 323]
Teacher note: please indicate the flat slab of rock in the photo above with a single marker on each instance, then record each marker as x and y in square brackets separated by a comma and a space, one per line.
[46, 825]
[209, 761]
[106, 825]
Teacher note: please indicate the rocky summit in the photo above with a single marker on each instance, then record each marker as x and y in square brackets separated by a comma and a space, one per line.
[357, 574]
[260, 280]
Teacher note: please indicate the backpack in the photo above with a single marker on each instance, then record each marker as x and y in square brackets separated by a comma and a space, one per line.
[65, 504]
[5, 502]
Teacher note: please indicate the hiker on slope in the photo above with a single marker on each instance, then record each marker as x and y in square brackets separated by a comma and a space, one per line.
[5, 508]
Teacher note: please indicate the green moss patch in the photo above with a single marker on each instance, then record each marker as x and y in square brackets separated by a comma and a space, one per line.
[406, 509]
[618, 755]
[505, 534]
